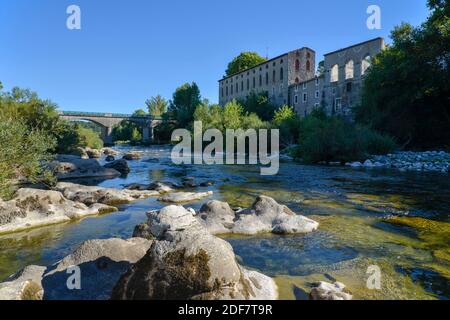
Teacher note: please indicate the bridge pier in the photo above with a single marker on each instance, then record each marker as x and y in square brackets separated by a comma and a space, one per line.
[107, 136]
[147, 134]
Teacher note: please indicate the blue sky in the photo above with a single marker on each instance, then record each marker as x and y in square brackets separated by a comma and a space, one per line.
[130, 50]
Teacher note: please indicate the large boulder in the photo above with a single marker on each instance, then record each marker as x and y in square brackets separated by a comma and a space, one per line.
[328, 291]
[187, 262]
[93, 194]
[24, 285]
[119, 165]
[265, 216]
[33, 208]
[68, 167]
[217, 217]
[101, 263]
[184, 197]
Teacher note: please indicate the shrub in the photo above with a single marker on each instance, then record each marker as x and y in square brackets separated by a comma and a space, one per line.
[288, 122]
[333, 139]
[22, 153]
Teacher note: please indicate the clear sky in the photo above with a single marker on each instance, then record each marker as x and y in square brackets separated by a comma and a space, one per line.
[130, 50]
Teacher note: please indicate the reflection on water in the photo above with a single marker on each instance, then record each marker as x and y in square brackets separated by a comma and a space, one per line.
[351, 206]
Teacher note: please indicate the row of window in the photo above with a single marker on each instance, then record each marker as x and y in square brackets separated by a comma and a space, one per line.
[305, 84]
[349, 69]
[236, 86]
[305, 97]
[254, 71]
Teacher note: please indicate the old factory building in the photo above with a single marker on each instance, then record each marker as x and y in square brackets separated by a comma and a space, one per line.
[291, 79]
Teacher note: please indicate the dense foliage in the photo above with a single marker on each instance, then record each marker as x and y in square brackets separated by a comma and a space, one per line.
[407, 90]
[244, 61]
[333, 139]
[259, 104]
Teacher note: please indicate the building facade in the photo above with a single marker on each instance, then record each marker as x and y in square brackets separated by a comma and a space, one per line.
[290, 79]
[274, 76]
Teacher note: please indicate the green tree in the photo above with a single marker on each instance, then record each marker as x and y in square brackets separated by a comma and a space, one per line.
[140, 113]
[259, 103]
[288, 122]
[185, 100]
[157, 106]
[406, 91]
[244, 61]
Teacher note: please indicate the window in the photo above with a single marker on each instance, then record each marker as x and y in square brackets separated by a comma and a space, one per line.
[231, 88]
[338, 104]
[274, 63]
[242, 85]
[349, 70]
[226, 90]
[317, 94]
[297, 65]
[308, 66]
[273, 90]
[237, 87]
[317, 82]
[260, 80]
[365, 64]
[297, 80]
[267, 78]
[305, 97]
[349, 87]
[334, 73]
[281, 74]
[305, 86]
[274, 76]
[295, 99]
[254, 82]
[316, 105]
[308, 55]
[248, 84]
[221, 92]
[296, 88]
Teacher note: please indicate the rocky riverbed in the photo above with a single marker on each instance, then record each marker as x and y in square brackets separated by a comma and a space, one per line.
[309, 233]
[431, 161]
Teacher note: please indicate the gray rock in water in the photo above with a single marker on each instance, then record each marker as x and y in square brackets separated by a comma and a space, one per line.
[68, 167]
[187, 262]
[93, 194]
[101, 263]
[184, 197]
[119, 165]
[24, 285]
[217, 217]
[328, 291]
[266, 216]
[34, 208]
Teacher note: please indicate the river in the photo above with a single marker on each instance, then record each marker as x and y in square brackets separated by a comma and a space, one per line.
[350, 204]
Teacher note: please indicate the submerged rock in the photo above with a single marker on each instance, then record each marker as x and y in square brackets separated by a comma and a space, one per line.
[119, 165]
[34, 207]
[110, 159]
[68, 167]
[265, 216]
[328, 291]
[184, 197]
[132, 156]
[187, 262]
[92, 194]
[161, 187]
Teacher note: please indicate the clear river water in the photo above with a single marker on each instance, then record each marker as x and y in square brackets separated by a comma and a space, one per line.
[351, 205]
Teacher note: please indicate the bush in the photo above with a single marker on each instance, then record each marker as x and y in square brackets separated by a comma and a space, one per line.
[22, 153]
[288, 122]
[333, 139]
[88, 138]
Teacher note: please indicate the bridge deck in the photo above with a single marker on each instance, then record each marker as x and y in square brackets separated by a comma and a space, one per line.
[105, 115]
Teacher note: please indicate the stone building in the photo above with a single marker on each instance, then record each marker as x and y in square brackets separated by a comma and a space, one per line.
[344, 75]
[274, 76]
[337, 90]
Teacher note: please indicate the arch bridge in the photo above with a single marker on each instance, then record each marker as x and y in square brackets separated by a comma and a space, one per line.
[108, 120]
